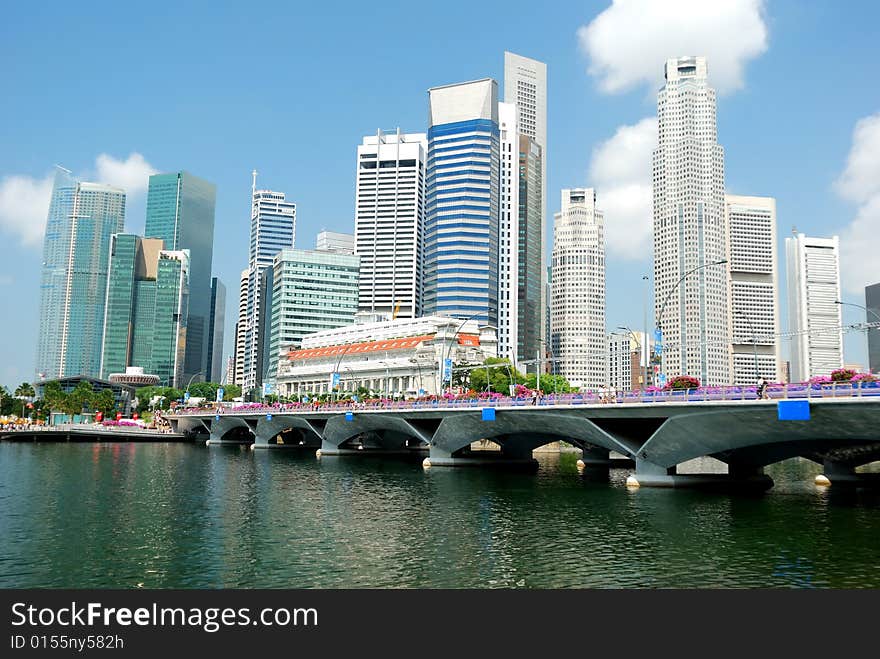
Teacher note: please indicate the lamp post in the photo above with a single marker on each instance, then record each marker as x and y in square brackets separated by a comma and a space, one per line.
[675, 288]
[754, 341]
[646, 341]
[448, 350]
[866, 310]
[644, 382]
[336, 368]
[194, 376]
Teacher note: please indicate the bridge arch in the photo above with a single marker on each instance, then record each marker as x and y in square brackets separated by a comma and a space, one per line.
[269, 427]
[386, 431]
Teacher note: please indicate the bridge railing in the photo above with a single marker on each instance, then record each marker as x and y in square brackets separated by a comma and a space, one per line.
[703, 394]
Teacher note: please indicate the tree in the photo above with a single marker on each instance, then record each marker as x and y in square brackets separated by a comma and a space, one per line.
[231, 391]
[105, 402]
[24, 391]
[79, 399]
[6, 401]
[206, 390]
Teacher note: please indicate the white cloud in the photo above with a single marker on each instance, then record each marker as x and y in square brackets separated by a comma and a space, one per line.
[628, 43]
[620, 170]
[24, 200]
[860, 183]
[132, 174]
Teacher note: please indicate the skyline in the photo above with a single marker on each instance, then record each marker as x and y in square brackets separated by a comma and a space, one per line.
[755, 162]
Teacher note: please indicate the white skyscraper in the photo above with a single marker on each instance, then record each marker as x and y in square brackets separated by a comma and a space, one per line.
[525, 85]
[273, 228]
[332, 241]
[621, 352]
[754, 289]
[390, 222]
[577, 305]
[508, 234]
[689, 228]
[813, 280]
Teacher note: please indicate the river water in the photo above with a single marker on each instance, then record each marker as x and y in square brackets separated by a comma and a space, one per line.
[189, 516]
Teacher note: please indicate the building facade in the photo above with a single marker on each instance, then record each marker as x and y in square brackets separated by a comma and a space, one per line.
[577, 305]
[180, 211]
[146, 309]
[216, 330]
[814, 317]
[530, 262]
[76, 247]
[390, 358]
[390, 222]
[273, 229]
[754, 289]
[689, 228]
[508, 235]
[333, 241]
[872, 304]
[462, 205]
[525, 85]
[621, 353]
[312, 291]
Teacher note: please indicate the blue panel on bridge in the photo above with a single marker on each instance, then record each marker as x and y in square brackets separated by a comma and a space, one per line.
[349, 416]
[793, 410]
[488, 414]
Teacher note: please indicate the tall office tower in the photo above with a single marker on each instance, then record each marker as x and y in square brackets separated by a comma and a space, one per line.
[621, 354]
[508, 236]
[689, 231]
[531, 261]
[525, 85]
[229, 375]
[333, 241]
[216, 330]
[461, 225]
[390, 222]
[180, 211]
[273, 228]
[754, 289]
[312, 291]
[76, 249]
[872, 304]
[814, 318]
[244, 283]
[146, 310]
[577, 303]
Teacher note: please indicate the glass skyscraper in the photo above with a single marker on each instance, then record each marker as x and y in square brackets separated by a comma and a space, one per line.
[147, 299]
[180, 211]
[82, 218]
[214, 370]
[462, 211]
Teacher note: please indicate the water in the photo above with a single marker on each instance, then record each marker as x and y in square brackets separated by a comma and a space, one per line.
[188, 516]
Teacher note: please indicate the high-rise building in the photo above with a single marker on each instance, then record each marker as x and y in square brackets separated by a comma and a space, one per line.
[872, 304]
[814, 318]
[229, 374]
[577, 304]
[390, 222]
[461, 226]
[312, 291]
[508, 235]
[273, 228]
[530, 261]
[216, 330]
[621, 353]
[180, 211]
[754, 289]
[76, 249]
[689, 228]
[333, 241]
[525, 85]
[146, 309]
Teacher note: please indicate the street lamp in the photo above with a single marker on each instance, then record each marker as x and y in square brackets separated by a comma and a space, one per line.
[448, 350]
[866, 310]
[754, 341]
[675, 288]
[194, 376]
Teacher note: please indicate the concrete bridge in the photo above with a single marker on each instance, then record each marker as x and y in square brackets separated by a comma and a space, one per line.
[747, 435]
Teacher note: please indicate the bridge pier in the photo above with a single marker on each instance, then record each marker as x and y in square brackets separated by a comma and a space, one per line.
[839, 473]
[648, 474]
[229, 431]
[512, 454]
[595, 457]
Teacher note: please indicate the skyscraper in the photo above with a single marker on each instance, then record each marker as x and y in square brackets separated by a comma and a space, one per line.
[689, 228]
[333, 241]
[273, 228]
[577, 304]
[461, 227]
[312, 291]
[508, 235]
[525, 85]
[214, 371]
[813, 282]
[82, 218]
[872, 304]
[390, 222]
[180, 211]
[530, 245]
[146, 310]
[754, 289]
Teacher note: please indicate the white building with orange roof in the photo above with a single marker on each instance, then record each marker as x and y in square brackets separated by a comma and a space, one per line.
[394, 358]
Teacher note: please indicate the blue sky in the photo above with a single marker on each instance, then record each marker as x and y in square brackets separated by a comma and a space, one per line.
[290, 89]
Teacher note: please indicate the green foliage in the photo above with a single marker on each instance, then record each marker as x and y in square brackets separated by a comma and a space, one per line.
[25, 390]
[79, 400]
[105, 402]
[54, 395]
[503, 376]
[683, 382]
[231, 391]
[206, 390]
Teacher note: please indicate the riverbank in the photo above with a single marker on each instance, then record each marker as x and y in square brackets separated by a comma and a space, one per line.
[89, 433]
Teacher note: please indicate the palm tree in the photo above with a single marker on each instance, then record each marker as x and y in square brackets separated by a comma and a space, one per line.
[24, 391]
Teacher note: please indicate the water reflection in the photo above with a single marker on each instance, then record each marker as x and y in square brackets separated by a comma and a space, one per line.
[166, 515]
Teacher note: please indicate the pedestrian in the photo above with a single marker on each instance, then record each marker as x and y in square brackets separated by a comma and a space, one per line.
[762, 389]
